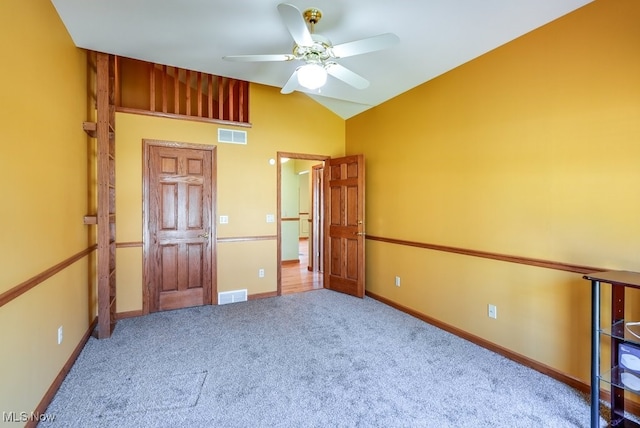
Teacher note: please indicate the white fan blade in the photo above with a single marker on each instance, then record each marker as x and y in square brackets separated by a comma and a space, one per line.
[347, 76]
[295, 23]
[291, 84]
[251, 58]
[370, 44]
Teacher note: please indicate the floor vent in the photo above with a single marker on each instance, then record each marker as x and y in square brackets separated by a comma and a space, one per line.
[231, 136]
[232, 297]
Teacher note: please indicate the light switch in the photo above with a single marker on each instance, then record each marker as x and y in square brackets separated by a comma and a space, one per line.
[224, 219]
[271, 218]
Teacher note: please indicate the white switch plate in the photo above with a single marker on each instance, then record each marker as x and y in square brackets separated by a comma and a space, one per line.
[60, 335]
[493, 311]
[271, 218]
[397, 281]
[224, 219]
[260, 273]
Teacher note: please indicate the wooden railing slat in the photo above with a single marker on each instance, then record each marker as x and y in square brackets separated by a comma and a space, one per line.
[241, 88]
[232, 91]
[187, 88]
[164, 89]
[220, 98]
[176, 90]
[210, 95]
[199, 86]
[152, 87]
[116, 81]
[217, 98]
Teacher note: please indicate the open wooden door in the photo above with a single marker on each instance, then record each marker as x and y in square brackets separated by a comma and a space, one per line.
[316, 250]
[344, 225]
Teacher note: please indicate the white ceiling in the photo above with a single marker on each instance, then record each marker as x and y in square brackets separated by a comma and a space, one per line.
[435, 36]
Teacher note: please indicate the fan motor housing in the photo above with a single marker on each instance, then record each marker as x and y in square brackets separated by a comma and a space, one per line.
[319, 51]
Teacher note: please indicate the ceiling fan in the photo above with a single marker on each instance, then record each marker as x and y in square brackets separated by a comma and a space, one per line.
[317, 53]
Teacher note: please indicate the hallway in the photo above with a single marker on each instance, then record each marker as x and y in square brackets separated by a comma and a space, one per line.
[296, 278]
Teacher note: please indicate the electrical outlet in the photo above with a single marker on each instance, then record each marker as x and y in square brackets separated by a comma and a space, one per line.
[260, 273]
[493, 311]
[397, 281]
[60, 334]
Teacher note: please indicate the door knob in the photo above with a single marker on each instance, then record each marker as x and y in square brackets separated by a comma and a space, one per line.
[204, 235]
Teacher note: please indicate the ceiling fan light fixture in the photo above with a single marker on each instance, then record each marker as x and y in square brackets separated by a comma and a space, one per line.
[312, 76]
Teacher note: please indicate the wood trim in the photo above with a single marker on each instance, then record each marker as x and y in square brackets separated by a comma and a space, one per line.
[247, 238]
[290, 219]
[182, 117]
[27, 285]
[302, 156]
[128, 244]
[630, 406]
[549, 264]
[129, 314]
[291, 262]
[519, 358]
[57, 382]
[262, 295]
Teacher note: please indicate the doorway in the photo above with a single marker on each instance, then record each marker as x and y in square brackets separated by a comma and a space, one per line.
[179, 246]
[300, 222]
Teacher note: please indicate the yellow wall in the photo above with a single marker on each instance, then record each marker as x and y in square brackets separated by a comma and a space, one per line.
[246, 184]
[531, 150]
[43, 176]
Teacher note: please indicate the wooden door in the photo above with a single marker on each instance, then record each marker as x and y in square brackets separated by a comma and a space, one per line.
[180, 231]
[316, 250]
[344, 225]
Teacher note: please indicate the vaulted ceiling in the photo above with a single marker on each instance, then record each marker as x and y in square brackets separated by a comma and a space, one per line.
[435, 37]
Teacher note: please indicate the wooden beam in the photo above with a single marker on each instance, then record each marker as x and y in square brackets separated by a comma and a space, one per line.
[102, 135]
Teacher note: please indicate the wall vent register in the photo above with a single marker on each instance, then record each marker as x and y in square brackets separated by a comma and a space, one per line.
[234, 296]
[232, 136]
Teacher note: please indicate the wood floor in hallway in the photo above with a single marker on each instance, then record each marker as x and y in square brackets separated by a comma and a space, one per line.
[296, 277]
